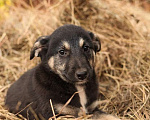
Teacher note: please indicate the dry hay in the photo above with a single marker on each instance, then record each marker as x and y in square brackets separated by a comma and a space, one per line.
[123, 65]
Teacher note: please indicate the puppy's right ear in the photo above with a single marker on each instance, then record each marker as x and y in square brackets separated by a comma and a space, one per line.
[40, 47]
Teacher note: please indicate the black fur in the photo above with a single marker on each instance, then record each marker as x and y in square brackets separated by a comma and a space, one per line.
[42, 83]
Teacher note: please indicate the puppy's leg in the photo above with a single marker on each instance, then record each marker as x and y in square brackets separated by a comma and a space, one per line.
[98, 114]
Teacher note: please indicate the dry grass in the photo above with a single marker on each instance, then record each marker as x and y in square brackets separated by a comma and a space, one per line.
[123, 65]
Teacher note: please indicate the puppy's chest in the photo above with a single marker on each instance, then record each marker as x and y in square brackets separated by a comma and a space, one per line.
[82, 103]
[82, 97]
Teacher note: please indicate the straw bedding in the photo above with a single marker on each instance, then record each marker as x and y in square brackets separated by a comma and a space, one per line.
[122, 67]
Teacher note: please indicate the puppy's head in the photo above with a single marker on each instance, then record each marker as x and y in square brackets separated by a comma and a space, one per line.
[69, 52]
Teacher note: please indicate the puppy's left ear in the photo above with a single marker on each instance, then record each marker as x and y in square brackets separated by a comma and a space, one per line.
[39, 48]
[96, 42]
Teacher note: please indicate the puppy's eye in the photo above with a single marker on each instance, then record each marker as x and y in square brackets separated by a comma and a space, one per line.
[86, 48]
[61, 52]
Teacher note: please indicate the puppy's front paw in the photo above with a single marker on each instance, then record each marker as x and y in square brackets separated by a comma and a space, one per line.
[104, 116]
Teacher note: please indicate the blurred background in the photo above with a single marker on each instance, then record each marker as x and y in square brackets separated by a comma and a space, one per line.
[122, 66]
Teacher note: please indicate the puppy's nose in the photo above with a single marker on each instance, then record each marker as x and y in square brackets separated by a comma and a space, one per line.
[81, 73]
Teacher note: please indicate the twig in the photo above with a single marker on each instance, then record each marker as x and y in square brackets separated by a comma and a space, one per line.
[1, 39]
[23, 108]
[52, 109]
[65, 104]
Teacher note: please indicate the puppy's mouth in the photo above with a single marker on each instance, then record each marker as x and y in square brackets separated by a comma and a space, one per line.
[76, 81]
[81, 82]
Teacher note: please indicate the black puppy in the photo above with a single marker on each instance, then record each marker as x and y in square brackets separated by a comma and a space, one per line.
[67, 66]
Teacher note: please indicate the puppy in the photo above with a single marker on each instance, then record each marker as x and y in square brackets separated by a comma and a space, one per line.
[67, 66]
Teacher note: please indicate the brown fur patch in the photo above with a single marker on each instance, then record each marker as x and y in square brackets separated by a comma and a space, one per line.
[93, 105]
[105, 117]
[37, 44]
[37, 52]
[67, 110]
[51, 63]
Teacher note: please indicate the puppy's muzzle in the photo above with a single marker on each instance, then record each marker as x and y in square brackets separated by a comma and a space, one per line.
[81, 74]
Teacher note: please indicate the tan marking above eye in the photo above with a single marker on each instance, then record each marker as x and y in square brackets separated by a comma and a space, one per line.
[81, 42]
[66, 45]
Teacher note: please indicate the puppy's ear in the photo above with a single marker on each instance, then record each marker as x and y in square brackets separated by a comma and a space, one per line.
[96, 42]
[40, 47]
